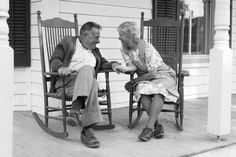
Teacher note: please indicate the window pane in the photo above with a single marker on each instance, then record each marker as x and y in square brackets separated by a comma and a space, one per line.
[194, 28]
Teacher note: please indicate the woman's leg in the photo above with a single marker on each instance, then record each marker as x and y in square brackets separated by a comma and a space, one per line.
[155, 109]
[146, 101]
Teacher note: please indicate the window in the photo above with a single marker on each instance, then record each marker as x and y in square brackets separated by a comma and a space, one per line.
[199, 27]
[19, 31]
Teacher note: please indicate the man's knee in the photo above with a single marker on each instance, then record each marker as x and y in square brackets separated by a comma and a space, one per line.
[87, 69]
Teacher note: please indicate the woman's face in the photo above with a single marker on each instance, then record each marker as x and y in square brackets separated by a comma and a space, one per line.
[127, 41]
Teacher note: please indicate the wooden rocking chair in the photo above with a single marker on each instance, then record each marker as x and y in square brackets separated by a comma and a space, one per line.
[50, 33]
[166, 35]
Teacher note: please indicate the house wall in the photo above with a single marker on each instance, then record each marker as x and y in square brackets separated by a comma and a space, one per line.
[28, 82]
[234, 45]
[35, 75]
[22, 89]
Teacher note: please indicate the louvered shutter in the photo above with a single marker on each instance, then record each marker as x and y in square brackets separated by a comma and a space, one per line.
[19, 31]
[166, 8]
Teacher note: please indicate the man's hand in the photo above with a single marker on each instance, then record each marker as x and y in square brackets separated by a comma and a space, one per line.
[120, 69]
[64, 71]
[114, 65]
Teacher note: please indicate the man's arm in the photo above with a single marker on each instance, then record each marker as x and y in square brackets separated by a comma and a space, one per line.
[56, 60]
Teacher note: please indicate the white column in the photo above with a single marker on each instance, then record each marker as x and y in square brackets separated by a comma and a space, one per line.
[219, 103]
[6, 84]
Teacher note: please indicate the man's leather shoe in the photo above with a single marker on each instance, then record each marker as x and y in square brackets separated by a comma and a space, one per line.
[72, 119]
[89, 139]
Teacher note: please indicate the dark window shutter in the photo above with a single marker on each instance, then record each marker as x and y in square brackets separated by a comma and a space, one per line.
[166, 8]
[167, 37]
[19, 31]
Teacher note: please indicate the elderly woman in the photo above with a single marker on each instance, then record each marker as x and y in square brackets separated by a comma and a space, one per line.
[156, 81]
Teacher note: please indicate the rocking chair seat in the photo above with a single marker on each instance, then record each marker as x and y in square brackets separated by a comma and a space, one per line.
[59, 96]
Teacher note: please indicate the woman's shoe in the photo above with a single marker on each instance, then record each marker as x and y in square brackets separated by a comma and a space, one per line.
[146, 134]
[158, 130]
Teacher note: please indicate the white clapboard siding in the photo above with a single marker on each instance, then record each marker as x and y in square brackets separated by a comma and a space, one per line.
[21, 89]
[234, 46]
[35, 76]
[111, 54]
[35, 42]
[101, 10]
[35, 54]
[35, 1]
[104, 21]
[143, 4]
[196, 85]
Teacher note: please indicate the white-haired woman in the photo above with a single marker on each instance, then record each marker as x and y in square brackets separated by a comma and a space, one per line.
[156, 81]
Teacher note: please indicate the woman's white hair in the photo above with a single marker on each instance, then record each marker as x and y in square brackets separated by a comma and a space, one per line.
[128, 28]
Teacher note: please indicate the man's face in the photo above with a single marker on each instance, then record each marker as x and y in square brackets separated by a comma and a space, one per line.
[92, 38]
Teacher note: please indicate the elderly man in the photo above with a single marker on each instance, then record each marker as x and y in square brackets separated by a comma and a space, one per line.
[80, 55]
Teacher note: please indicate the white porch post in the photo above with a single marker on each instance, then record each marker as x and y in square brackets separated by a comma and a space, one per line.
[219, 103]
[6, 84]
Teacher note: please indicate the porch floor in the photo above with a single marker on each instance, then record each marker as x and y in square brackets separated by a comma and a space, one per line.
[30, 140]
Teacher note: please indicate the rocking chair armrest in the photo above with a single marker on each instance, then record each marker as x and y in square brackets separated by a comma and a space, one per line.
[57, 74]
[183, 73]
[105, 70]
[52, 73]
[130, 72]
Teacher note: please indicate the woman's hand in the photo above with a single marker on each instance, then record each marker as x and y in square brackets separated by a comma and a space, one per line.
[129, 85]
[120, 69]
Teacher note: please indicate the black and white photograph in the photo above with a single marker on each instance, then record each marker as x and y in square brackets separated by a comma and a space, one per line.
[118, 78]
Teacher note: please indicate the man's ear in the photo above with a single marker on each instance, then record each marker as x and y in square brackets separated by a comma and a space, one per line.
[85, 34]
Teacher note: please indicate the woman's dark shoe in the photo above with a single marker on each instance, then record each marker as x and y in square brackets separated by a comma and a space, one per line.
[158, 130]
[72, 119]
[88, 138]
[146, 134]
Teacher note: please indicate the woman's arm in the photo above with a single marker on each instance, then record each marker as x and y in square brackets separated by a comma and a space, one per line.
[147, 76]
[130, 67]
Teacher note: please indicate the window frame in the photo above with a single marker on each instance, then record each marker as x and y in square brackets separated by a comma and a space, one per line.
[209, 13]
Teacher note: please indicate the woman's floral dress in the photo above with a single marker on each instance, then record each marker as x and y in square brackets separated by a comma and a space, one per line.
[146, 58]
